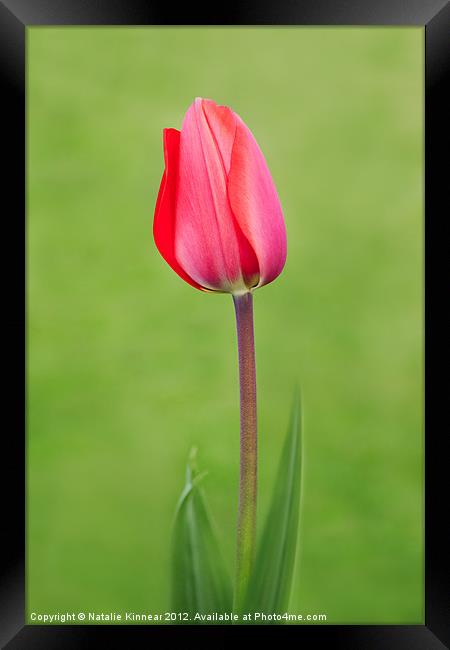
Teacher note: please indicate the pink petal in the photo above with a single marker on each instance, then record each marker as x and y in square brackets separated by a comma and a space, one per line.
[255, 204]
[164, 220]
[207, 245]
[222, 122]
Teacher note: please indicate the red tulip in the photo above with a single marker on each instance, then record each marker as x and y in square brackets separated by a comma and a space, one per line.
[218, 220]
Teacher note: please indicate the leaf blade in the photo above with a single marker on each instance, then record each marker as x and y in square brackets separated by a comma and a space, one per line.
[200, 582]
[271, 580]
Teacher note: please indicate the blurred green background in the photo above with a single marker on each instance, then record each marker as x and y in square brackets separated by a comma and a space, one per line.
[128, 366]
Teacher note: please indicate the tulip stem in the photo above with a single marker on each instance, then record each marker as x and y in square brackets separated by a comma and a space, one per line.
[246, 523]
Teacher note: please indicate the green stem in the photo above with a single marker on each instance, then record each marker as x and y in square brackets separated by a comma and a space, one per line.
[246, 524]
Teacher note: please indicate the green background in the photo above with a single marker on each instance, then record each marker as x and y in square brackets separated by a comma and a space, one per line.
[128, 366]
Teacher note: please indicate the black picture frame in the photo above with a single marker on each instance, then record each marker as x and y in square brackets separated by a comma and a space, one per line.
[434, 16]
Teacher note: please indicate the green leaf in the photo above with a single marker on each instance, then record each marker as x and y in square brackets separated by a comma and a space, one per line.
[199, 578]
[270, 584]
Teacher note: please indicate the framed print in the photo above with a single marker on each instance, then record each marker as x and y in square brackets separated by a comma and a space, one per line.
[181, 457]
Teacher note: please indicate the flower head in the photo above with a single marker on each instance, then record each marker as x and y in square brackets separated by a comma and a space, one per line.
[218, 221]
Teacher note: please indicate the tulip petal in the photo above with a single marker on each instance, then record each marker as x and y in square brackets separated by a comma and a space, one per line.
[207, 244]
[164, 221]
[222, 122]
[255, 204]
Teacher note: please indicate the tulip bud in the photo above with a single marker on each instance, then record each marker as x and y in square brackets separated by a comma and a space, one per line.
[218, 221]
